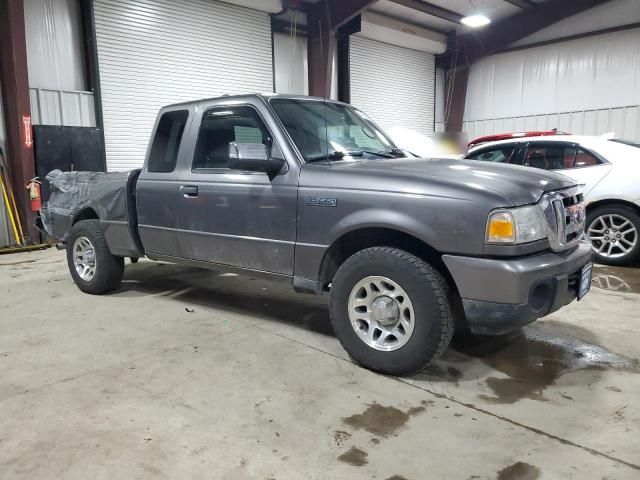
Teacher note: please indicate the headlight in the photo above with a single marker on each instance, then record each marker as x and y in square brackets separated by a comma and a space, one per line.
[516, 225]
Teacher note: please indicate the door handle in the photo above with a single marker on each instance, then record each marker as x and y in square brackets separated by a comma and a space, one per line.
[189, 191]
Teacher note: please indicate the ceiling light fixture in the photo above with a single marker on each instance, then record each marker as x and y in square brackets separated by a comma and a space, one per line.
[476, 21]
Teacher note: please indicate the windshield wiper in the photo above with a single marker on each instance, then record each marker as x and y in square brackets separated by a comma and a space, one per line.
[383, 153]
[336, 155]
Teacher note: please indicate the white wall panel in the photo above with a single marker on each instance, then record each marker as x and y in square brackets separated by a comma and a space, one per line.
[538, 81]
[589, 123]
[586, 86]
[631, 125]
[509, 94]
[157, 52]
[54, 44]
[393, 85]
[290, 64]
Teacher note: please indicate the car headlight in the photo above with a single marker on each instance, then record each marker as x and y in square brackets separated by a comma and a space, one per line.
[516, 225]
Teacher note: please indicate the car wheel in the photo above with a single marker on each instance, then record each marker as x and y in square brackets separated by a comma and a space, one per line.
[391, 311]
[613, 230]
[92, 266]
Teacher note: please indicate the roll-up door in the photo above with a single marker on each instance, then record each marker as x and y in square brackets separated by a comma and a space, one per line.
[157, 52]
[395, 86]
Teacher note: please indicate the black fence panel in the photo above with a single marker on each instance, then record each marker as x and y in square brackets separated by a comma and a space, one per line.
[67, 149]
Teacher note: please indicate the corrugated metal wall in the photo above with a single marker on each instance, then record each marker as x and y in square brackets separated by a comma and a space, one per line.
[624, 122]
[157, 52]
[395, 86]
[62, 107]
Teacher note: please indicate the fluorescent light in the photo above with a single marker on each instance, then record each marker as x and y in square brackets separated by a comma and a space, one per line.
[475, 21]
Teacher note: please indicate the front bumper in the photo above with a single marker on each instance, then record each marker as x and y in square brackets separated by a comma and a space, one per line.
[501, 295]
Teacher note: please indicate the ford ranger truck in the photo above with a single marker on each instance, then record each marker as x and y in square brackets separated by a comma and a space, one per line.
[312, 193]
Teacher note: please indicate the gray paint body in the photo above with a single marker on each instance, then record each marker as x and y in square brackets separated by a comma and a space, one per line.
[282, 226]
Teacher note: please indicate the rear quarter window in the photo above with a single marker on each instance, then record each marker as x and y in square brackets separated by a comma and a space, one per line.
[166, 142]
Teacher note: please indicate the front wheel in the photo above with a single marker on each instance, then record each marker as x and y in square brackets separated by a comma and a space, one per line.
[613, 231]
[92, 266]
[391, 311]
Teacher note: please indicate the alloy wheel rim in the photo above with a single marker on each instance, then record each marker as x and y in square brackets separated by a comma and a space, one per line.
[381, 313]
[612, 235]
[84, 258]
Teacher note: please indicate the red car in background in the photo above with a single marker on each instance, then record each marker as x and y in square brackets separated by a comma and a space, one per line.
[509, 135]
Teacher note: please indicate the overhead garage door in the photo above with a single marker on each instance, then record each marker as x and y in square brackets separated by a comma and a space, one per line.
[395, 86]
[156, 52]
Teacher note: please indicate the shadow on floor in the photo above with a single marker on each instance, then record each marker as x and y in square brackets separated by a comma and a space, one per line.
[529, 360]
[230, 293]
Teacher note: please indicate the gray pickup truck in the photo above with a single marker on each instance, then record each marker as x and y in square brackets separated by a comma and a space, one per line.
[312, 193]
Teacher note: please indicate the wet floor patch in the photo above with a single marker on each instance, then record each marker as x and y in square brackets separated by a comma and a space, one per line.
[529, 360]
[354, 456]
[617, 279]
[442, 373]
[380, 420]
[519, 471]
[536, 357]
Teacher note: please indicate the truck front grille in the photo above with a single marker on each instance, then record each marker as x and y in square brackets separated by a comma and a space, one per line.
[565, 214]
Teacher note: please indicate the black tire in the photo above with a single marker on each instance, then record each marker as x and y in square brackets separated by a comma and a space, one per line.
[108, 267]
[625, 212]
[429, 293]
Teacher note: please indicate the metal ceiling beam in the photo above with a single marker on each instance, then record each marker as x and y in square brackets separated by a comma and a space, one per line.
[323, 20]
[523, 4]
[466, 49]
[341, 11]
[506, 31]
[431, 9]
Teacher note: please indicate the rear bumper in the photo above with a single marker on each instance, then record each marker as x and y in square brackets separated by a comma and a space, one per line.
[501, 295]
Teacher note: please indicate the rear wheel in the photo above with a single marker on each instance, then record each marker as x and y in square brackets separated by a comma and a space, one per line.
[92, 266]
[613, 230]
[391, 311]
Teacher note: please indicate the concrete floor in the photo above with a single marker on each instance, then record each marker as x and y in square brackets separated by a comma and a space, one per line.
[187, 374]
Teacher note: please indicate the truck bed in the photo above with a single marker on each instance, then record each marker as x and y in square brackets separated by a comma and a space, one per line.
[109, 197]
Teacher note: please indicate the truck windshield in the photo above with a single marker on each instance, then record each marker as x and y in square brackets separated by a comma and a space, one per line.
[332, 131]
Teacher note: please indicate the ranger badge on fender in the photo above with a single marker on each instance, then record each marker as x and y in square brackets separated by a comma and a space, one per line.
[321, 201]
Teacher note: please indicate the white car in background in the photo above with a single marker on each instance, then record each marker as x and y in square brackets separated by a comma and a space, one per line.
[609, 169]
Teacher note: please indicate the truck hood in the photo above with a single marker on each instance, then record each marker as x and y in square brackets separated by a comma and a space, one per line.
[518, 184]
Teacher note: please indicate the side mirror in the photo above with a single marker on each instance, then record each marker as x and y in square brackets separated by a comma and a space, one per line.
[253, 157]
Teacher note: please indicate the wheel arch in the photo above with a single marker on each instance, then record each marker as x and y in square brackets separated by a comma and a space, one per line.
[86, 213]
[631, 212]
[607, 202]
[359, 239]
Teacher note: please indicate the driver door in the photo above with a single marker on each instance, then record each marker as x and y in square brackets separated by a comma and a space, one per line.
[232, 217]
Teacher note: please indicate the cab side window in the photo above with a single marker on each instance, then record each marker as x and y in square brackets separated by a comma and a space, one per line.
[223, 125]
[558, 157]
[501, 154]
[546, 157]
[166, 143]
